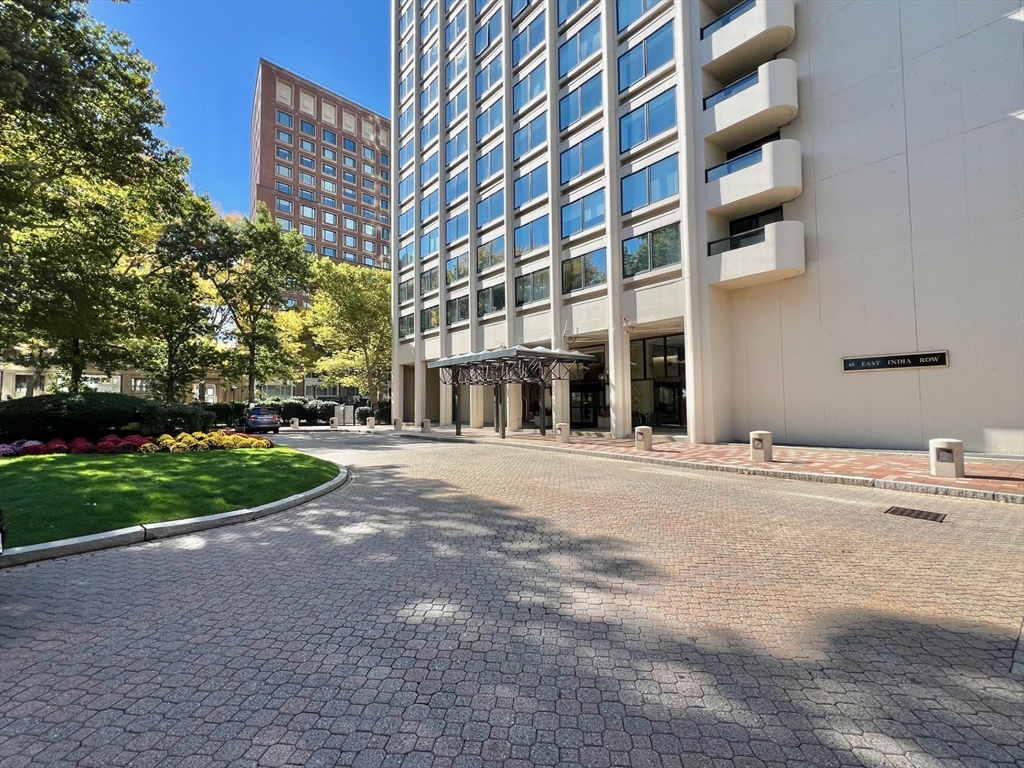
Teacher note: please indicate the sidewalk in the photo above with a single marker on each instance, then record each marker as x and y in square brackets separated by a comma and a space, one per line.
[994, 479]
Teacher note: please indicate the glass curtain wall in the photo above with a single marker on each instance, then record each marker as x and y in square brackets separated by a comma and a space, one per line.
[658, 367]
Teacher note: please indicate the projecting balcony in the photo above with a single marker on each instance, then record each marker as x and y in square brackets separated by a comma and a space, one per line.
[745, 37]
[753, 106]
[773, 252]
[764, 178]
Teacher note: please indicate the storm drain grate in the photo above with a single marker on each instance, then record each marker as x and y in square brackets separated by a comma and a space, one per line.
[917, 514]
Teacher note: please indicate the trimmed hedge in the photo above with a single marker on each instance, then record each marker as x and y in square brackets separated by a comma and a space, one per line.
[306, 411]
[95, 414]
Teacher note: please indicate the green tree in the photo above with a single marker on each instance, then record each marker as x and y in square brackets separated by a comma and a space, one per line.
[253, 265]
[350, 320]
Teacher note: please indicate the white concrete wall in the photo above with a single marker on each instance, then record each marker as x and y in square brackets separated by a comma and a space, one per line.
[912, 132]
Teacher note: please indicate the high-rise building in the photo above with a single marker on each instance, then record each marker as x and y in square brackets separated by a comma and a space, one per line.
[321, 163]
[791, 215]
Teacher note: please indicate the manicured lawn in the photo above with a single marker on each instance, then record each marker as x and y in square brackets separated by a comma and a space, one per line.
[56, 497]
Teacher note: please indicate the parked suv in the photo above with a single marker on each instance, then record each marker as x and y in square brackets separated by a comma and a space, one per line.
[261, 419]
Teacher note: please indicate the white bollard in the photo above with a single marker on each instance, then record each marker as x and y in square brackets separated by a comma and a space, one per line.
[370, 422]
[294, 423]
[644, 437]
[760, 446]
[334, 422]
[561, 433]
[946, 457]
[425, 426]
[398, 425]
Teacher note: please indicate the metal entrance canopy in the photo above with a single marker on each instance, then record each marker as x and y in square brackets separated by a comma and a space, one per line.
[498, 367]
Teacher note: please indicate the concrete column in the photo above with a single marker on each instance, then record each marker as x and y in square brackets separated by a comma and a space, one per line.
[514, 407]
[560, 401]
[477, 394]
[420, 394]
[620, 395]
[446, 405]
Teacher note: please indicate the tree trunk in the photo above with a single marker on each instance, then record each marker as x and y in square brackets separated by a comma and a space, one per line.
[169, 381]
[252, 373]
[77, 367]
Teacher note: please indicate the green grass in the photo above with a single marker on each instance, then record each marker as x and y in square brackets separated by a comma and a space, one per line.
[46, 498]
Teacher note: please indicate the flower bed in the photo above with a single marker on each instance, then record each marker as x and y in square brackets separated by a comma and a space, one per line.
[183, 442]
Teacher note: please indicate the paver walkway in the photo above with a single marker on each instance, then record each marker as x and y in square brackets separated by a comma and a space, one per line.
[983, 474]
[493, 607]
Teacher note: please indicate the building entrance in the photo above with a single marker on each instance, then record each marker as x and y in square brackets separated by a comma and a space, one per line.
[658, 384]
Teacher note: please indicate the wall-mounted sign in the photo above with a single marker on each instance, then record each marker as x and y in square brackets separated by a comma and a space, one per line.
[900, 360]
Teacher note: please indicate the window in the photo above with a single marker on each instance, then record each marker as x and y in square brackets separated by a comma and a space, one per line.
[584, 271]
[745, 231]
[328, 169]
[455, 106]
[428, 205]
[651, 250]
[456, 187]
[283, 188]
[489, 74]
[567, 8]
[531, 135]
[306, 194]
[490, 163]
[651, 184]
[456, 268]
[348, 162]
[579, 47]
[370, 246]
[532, 235]
[306, 178]
[518, 6]
[329, 154]
[528, 39]
[628, 11]
[488, 120]
[428, 131]
[308, 230]
[405, 86]
[348, 207]
[369, 154]
[370, 261]
[429, 22]
[406, 254]
[283, 136]
[351, 241]
[490, 208]
[456, 65]
[405, 119]
[406, 53]
[406, 187]
[285, 224]
[350, 223]
[456, 147]
[428, 281]
[405, 326]
[580, 158]
[348, 177]
[529, 87]
[406, 221]
[348, 145]
[307, 127]
[307, 146]
[406, 290]
[368, 199]
[580, 102]
[330, 137]
[330, 218]
[405, 20]
[331, 253]
[428, 59]
[488, 33]
[533, 287]
[369, 170]
[283, 170]
[284, 119]
[368, 184]
[456, 227]
[308, 248]
[324, 199]
[349, 256]
[428, 318]
[329, 235]
[284, 205]
[429, 243]
[583, 214]
[455, 28]
[329, 186]
[307, 162]
[490, 254]
[428, 95]
[406, 152]
[457, 310]
[647, 56]
[648, 120]
[428, 168]
[307, 211]
[370, 230]
[385, 161]
[489, 300]
[531, 186]
[283, 154]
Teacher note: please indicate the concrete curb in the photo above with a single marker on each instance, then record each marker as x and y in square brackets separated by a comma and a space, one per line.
[165, 530]
[780, 474]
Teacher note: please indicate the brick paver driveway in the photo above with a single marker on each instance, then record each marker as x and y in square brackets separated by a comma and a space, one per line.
[484, 605]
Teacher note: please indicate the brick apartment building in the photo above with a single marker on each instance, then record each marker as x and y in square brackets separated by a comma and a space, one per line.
[322, 165]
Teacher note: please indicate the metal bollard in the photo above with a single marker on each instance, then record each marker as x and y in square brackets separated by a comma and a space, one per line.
[644, 438]
[561, 433]
[761, 446]
[946, 457]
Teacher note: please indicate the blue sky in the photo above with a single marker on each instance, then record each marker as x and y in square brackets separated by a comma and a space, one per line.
[206, 53]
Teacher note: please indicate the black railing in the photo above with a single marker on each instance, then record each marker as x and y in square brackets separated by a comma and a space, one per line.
[732, 88]
[726, 17]
[753, 157]
[733, 242]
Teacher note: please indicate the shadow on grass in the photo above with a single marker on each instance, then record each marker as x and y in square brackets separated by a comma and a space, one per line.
[403, 600]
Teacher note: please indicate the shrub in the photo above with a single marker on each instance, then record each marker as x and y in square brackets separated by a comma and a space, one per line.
[225, 413]
[363, 413]
[383, 412]
[149, 448]
[32, 448]
[7, 451]
[81, 445]
[55, 446]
